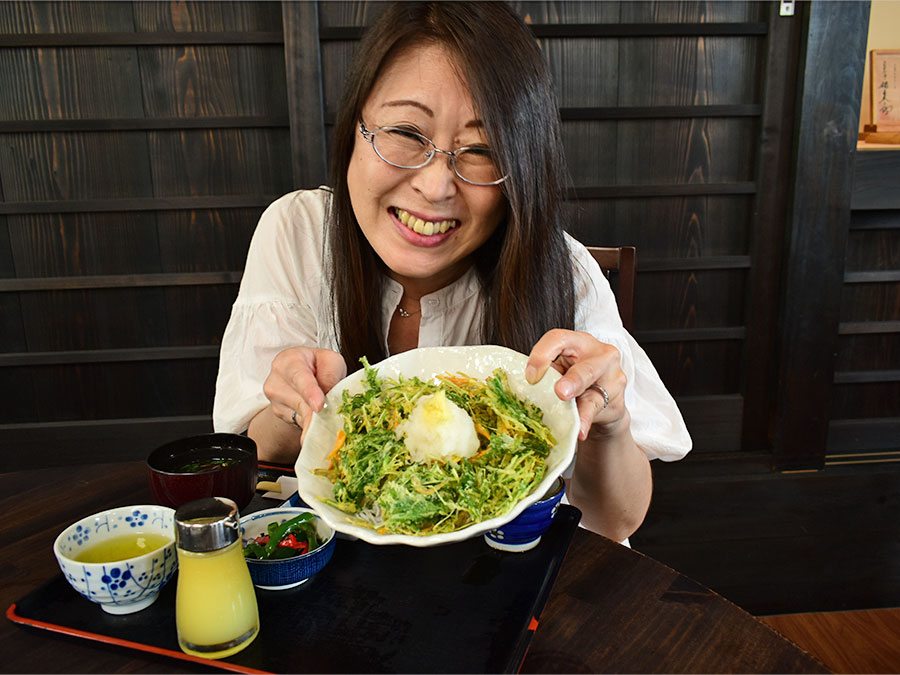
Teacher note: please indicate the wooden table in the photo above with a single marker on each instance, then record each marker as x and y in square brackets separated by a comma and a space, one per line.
[611, 609]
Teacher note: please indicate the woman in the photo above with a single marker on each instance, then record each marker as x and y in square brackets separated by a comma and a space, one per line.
[442, 228]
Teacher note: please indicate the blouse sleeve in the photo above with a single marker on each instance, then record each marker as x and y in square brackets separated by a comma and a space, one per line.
[656, 423]
[276, 307]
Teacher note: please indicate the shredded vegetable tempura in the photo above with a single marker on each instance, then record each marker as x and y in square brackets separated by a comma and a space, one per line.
[376, 480]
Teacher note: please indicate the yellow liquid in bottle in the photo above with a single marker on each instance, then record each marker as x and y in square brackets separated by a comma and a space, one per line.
[215, 603]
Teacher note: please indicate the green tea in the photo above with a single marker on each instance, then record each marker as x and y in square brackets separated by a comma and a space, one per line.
[123, 547]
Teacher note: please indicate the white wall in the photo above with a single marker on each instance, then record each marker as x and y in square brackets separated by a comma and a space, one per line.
[884, 33]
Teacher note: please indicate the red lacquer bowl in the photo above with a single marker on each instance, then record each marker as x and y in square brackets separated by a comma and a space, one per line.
[208, 465]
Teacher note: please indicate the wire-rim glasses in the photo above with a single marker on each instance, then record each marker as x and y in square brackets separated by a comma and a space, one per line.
[408, 149]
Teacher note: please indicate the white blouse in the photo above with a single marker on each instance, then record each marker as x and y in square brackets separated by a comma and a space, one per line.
[284, 302]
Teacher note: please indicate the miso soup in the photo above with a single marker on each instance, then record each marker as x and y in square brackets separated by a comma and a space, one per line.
[210, 464]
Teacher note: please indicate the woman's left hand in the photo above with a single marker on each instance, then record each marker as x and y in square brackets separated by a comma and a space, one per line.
[589, 367]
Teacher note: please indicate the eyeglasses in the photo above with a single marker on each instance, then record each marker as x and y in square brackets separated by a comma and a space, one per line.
[407, 149]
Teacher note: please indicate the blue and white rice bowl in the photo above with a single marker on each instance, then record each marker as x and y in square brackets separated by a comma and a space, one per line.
[277, 575]
[524, 532]
[124, 586]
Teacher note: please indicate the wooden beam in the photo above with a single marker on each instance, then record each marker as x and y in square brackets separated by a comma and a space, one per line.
[136, 204]
[653, 112]
[306, 109]
[136, 38]
[598, 30]
[119, 281]
[143, 124]
[832, 64]
[768, 223]
[674, 190]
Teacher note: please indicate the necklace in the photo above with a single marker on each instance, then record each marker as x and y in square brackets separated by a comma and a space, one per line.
[402, 312]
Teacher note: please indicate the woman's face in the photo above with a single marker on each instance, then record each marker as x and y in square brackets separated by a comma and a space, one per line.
[421, 90]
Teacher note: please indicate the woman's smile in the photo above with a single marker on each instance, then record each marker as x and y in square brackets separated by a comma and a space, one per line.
[421, 230]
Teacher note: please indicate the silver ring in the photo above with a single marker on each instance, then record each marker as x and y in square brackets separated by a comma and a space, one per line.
[597, 387]
[294, 419]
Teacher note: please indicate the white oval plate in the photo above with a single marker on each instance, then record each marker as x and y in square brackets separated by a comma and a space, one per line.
[426, 362]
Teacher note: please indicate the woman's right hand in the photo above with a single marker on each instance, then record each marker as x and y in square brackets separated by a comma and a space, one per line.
[298, 381]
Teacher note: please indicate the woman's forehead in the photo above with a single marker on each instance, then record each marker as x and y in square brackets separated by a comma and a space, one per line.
[423, 77]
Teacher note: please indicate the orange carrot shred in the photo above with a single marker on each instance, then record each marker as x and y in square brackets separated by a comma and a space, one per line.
[338, 444]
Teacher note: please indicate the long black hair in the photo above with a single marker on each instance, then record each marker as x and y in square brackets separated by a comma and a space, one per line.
[525, 268]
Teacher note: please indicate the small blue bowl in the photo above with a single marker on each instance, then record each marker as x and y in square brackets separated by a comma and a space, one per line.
[524, 531]
[277, 575]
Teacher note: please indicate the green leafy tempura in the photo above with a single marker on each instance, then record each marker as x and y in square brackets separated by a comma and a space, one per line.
[376, 480]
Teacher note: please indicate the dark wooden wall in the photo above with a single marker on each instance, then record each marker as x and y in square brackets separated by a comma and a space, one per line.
[139, 142]
[865, 408]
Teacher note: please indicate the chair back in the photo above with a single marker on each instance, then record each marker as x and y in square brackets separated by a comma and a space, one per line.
[622, 260]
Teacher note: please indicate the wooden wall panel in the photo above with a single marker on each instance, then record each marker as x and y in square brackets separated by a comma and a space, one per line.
[96, 391]
[205, 240]
[17, 396]
[665, 227]
[155, 16]
[340, 13]
[108, 318]
[65, 17]
[57, 166]
[871, 301]
[12, 332]
[691, 12]
[69, 83]
[154, 107]
[196, 315]
[7, 264]
[869, 352]
[80, 244]
[336, 57]
[702, 299]
[698, 368]
[869, 249]
[190, 163]
[215, 80]
[568, 12]
[688, 151]
[689, 70]
[866, 400]
[591, 150]
[585, 71]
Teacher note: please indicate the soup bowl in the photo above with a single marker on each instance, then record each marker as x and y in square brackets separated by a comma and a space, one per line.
[119, 558]
[208, 465]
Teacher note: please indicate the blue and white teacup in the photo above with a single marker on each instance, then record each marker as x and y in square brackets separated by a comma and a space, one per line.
[126, 585]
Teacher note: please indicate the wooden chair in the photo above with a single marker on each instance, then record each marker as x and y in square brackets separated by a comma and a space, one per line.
[622, 260]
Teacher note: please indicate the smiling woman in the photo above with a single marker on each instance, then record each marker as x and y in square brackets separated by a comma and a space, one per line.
[442, 226]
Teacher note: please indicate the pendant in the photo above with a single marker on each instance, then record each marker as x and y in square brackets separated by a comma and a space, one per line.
[402, 312]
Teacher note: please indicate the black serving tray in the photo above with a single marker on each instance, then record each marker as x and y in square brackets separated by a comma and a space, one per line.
[459, 608]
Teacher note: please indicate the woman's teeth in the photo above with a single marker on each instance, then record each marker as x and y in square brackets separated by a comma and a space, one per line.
[425, 227]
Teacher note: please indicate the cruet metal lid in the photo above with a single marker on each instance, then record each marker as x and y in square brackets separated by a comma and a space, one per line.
[207, 524]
